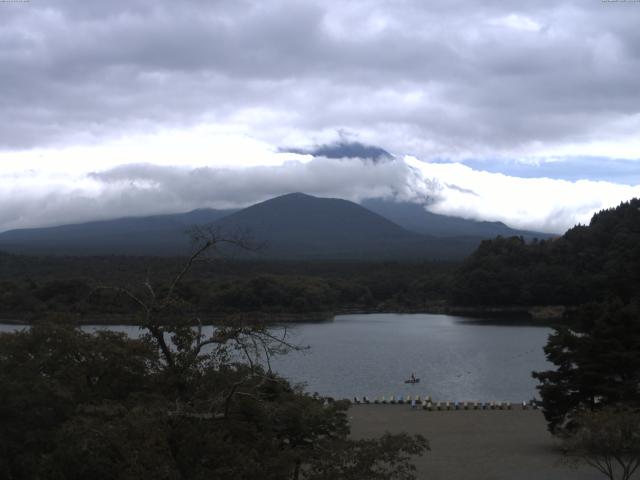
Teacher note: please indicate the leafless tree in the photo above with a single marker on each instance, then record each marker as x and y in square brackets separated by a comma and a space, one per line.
[181, 340]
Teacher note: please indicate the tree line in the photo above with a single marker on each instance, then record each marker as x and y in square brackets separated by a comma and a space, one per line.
[65, 287]
[589, 262]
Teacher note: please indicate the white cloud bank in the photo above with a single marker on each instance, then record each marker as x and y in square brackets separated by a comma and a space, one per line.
[541, 204]
[57, 187]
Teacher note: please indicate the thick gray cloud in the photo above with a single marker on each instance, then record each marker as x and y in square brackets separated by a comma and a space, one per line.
[490, 84]
[144, 189]
[440, 78]
[225, 188]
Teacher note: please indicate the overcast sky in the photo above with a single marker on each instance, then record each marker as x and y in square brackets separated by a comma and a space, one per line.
[525, 112]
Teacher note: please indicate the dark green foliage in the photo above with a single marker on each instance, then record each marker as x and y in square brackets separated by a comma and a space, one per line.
[588, 263]
[34, 287]
[47, 373]
[607, 440]
[108, 441]
[598, 362]
[103, 406]
[269, 292]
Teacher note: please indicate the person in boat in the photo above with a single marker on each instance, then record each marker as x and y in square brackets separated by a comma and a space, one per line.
[413, 377]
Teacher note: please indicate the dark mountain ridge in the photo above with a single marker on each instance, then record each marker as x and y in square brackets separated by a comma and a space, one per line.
[416, 218]
[153, 235]
[302, 226]
[345, 150]
[293, 226]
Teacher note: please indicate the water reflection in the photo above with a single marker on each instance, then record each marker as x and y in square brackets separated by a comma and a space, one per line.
[455, 358]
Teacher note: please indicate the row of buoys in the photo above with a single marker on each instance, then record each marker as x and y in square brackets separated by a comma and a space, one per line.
[431, 406]
[427, 403]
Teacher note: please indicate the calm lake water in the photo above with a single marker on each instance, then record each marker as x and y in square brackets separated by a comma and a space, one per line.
[455, 358]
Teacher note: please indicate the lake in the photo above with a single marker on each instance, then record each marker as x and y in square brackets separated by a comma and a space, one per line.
[456, 358]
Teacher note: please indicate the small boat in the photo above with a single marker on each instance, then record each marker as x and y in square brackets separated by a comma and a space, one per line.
[412, 380]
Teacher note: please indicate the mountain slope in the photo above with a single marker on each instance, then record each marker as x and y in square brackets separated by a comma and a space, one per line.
[298, 225]
[294, 226]
[154, 235]
[415, 218]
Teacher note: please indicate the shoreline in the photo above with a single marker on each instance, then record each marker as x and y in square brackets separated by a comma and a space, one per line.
[526, 315]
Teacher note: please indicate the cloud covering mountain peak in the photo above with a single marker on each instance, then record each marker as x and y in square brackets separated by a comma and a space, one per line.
[44, 197]
[523, 112]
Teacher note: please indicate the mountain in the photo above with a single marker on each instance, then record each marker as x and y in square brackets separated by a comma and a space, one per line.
[293, 226]
[415, 218]
[154, 235]
[301, 226]
[345, 150]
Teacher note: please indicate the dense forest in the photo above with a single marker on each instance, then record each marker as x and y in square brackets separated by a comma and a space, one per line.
[588, 263]
[81, 287]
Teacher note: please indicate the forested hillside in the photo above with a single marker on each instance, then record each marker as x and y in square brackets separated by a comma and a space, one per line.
[588, 263]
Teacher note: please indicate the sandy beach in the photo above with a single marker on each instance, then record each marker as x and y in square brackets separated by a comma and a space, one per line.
[474, 444]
